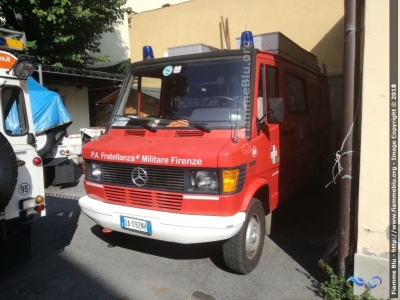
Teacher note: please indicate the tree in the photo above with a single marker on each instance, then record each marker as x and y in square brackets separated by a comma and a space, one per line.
[63, 32]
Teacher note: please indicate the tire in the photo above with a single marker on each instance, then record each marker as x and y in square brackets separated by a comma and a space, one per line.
[243, 251]
[8, 171]
[47, 141]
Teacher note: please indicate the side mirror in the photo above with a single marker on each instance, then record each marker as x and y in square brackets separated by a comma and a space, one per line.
[24, 66]
[275, 111]
[274, 114]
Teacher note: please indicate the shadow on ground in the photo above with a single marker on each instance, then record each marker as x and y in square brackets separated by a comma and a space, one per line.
[163, 249]
[49, 274]
[301, 226]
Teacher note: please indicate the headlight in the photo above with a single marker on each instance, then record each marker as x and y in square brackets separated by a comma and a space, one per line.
[204, 180]
[94, 171]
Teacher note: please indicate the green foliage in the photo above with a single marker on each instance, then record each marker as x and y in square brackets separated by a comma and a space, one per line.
[338, 288]
[63, 32]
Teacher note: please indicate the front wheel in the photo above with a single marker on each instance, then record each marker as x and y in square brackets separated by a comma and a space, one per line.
[243, 251]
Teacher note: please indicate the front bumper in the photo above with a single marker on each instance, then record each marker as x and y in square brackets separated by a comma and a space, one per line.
[166, 226]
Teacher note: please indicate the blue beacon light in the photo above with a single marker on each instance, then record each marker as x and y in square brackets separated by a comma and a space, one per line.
[246, 40]
[147, 52]
[2, 41]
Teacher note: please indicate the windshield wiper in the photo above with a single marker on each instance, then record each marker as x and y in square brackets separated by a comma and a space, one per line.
[138, 122]
[195, 125]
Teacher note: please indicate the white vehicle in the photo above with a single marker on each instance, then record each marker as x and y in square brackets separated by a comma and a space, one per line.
[22, 192]
[53, 144]
[91, 133]
[58, 156]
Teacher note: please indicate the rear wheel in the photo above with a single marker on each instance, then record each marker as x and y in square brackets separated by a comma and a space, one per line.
[8, 171]
[243, 251]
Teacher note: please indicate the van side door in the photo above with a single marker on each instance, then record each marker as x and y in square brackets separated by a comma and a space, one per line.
[297, 128]
[268, 137]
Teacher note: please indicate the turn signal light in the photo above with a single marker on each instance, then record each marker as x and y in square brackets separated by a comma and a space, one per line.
[39, 207]
[229, 180]
[39, 199]
[37, 161]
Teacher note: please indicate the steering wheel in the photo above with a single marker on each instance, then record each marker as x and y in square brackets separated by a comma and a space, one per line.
[224, 98]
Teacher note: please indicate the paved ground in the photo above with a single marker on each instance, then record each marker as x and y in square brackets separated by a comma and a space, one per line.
[72, 259]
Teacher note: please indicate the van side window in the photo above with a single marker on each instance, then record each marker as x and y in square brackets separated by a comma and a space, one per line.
[272, 82]
[295, 93]
[13, 107]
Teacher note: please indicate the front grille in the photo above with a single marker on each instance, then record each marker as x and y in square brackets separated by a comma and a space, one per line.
[115, 195]
[160, 178]
[168, 201]
[143, 198]
[140, 198]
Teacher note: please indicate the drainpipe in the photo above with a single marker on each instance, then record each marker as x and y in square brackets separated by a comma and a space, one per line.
[348, 188]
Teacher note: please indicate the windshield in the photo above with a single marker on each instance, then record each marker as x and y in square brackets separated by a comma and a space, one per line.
[206, 95]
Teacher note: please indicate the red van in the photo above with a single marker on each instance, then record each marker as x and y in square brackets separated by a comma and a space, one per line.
[203, 147]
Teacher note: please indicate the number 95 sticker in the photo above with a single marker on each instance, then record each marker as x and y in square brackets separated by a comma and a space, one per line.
[24, 188]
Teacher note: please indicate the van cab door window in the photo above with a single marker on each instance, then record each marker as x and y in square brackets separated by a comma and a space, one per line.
[261, 93]
[272, 82]
[14, 112]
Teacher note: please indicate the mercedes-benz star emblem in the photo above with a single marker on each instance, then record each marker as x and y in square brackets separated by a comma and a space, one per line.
[139, 176]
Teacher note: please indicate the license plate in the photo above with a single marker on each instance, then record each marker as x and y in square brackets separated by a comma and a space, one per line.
[136, 225]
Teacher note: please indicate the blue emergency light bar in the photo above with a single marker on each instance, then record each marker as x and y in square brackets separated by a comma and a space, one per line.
[147, 52]
[246, 40]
